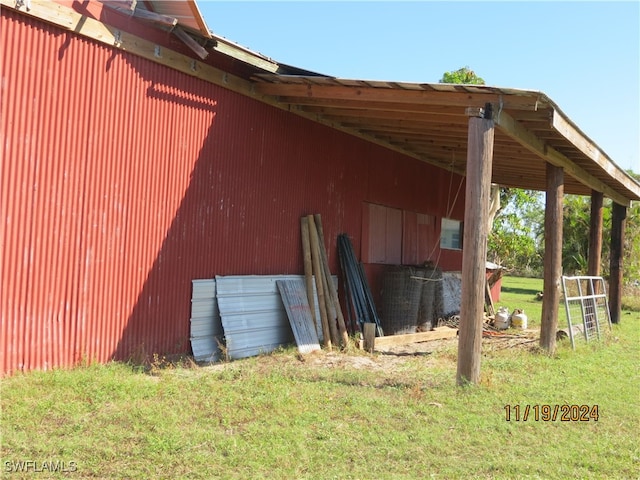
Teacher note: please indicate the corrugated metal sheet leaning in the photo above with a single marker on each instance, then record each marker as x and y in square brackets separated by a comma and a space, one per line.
[294, 297]
[206, 327]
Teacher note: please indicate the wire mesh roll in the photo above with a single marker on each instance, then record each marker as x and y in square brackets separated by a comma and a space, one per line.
[430, 299]
[401, 297]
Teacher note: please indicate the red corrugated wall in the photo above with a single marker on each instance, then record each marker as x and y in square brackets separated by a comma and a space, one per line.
[123, 180]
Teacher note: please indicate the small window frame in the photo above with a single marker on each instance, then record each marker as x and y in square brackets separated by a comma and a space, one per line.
[451, 234]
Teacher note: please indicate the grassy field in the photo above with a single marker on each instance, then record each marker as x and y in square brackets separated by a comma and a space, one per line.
[336, 415]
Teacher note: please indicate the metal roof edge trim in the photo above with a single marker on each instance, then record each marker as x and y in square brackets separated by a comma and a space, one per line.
[197, 15]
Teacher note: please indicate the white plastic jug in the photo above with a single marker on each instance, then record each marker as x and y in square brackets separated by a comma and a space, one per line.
[501, 321]
[519, 319]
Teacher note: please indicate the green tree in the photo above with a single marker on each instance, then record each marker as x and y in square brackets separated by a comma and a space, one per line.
[462, 75]
[575, 234]
[516, 236]
[631, 254]
[576, 219]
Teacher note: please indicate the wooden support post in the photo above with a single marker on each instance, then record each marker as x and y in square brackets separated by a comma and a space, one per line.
[474, 253]
[595, 234]
[369, 336]
[618, 221]
[552, 257]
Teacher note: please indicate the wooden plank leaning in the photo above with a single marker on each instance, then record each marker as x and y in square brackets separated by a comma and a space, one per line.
[333, 292]
[308, 269]
[317, 271]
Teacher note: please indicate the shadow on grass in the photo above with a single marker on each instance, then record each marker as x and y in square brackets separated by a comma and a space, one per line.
[520, 291]
[405, 354]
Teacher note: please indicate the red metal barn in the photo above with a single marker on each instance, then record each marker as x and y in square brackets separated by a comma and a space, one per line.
[139, 152]
[124, 179]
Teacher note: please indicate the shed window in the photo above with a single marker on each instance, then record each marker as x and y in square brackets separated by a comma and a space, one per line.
[451, 234]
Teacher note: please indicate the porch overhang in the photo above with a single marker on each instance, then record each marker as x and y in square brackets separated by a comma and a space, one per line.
[428, 122]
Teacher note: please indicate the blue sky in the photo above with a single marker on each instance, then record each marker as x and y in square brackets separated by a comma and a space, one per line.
[584, 55]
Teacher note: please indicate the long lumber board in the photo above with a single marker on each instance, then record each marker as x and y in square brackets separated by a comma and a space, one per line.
[439, 333]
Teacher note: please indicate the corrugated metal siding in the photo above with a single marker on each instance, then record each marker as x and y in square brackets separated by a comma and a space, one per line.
[91, 182]
[123, 180]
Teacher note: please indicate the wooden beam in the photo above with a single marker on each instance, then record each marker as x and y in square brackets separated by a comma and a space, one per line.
[474, 252]
[552, 258]
[563, 126]
[527, 139]
[401, 112]
[415, 124]
[380, 94]
[618, 222]
[239, 53]
[190, 42]
[129, 8]
[406, 136]
[157, 18]
[439, 333]
[68, 19]
[595, 235]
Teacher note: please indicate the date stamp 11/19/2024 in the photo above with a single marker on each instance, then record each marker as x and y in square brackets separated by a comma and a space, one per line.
[551, 413]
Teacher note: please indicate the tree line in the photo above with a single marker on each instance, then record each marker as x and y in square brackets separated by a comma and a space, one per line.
[516, 240]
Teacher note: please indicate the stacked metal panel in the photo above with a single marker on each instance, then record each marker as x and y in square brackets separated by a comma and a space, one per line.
[245, 312]
[206, 327]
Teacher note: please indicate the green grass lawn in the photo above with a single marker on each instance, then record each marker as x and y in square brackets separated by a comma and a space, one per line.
[335, 415]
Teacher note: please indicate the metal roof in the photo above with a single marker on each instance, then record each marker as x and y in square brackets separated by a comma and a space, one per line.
[428, 121]
[185, 11]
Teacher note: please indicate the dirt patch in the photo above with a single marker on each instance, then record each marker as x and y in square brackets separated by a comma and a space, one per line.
[391, 358]
[432, 350]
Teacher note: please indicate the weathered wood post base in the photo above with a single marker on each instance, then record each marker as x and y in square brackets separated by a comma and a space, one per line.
[618, 221]
[595, 234]
[552, 257]
[474, 246]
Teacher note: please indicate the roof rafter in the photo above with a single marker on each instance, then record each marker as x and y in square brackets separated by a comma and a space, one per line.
[528, 140]
[591, 150]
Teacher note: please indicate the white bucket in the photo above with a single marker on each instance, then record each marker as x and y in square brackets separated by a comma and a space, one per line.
[501, 321]
[519, 319]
